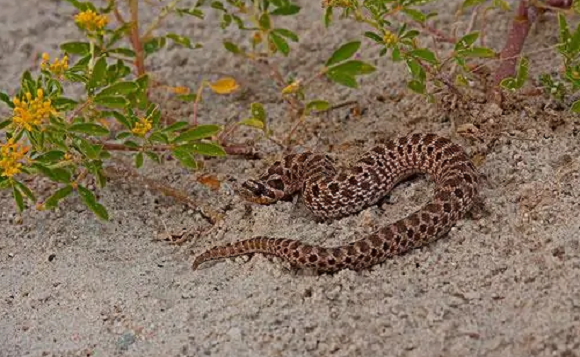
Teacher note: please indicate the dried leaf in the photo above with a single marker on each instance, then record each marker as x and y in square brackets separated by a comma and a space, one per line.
[209, 181]
[224, 85]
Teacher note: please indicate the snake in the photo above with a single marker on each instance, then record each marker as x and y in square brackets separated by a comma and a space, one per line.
[332, 192]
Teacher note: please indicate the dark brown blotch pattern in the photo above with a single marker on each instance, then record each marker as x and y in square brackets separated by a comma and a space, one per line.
[456, 178]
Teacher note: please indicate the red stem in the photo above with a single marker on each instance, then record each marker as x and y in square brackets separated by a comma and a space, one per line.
[526, 15]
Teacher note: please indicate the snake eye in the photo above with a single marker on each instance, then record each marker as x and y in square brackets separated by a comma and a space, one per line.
[256, 188]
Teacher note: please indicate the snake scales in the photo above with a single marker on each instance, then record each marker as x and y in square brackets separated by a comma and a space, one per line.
[331, 193]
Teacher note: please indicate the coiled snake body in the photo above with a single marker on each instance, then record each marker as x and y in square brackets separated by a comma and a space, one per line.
[331, 193]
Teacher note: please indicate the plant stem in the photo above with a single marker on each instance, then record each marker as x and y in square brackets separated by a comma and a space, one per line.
[526, 15]
[135, 38]
[92, 52]
[196, 102]
[155, 24]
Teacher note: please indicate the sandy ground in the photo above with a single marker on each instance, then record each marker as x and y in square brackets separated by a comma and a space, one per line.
[503, 284]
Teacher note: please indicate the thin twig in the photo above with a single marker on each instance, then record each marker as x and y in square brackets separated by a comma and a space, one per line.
[337, 106]
[158, 20]
[470, 27]
[249, 152]
[111, 172]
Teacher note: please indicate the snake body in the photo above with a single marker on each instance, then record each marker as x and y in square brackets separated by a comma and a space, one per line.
[331, 193]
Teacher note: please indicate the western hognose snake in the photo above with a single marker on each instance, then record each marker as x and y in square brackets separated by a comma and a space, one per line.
[331, 193]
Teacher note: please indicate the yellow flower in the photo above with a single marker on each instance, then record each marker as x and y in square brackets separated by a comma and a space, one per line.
[30, 112]
[11, 154]
[180, 90]
[291, 88]
[335, 3]
[58, 67]
[142, 127]
[257, 38]
[390, 38]
[91, 21]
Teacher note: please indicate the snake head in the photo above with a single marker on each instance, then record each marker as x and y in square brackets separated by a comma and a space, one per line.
[261, 192]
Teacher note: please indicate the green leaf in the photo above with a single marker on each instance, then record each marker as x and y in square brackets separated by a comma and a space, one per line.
[466, 41]
[470, 3]
[117, 71]
[64, 104]
[153, 156]
[290, 9]
[159, 137]
[122, 51]
[55, 174]
[24, 189]
[373, 36]
[120, 118]
[90, 201]
[154, 45]
[76, 48]
[119, 88]
[114, 102]
[287, 33]
[353, 68]
[575, 106]
[265, 22]
[416, 69]
[91, 151]
[328, 17]
[521, 76]
[139, 160]
[89, 128]
[280, 43]
[6, 99]
[574, 44]
[18, 198]
[233, 48]
[424, 54]
[185, 158]
[207, 149]
[319, 105]
[82, 5]
[477, 52]
[199, 132]
[415, 14]
[131, 144]
[99, 74]
[154, 114]
[181, 40]
[5, 123]
[258, 112]
[50, 157]
[417, 86]
[218, 5]
[175, 127]
[396, 55]
[253, 122]
[343, 53]
[53, 200]
[564, 31]
[342, 78]
[191, 12]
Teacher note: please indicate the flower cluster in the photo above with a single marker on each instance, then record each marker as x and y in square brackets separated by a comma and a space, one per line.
[58, 66]
[11, 155]
[91, 21]
[390, 38]
[142, 127]
[30, 112]
[336, 3]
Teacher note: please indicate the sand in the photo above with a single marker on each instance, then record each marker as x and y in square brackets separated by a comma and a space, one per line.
[503, 283]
